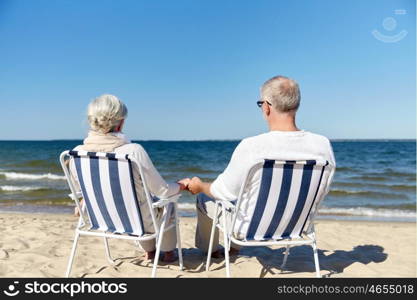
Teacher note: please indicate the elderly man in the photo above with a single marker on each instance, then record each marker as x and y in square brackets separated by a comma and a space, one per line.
[280, 99]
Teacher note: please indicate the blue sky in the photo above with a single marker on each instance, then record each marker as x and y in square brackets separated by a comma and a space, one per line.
[192, 69]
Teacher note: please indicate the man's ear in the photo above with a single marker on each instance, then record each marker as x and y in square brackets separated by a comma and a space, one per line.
[267, 110]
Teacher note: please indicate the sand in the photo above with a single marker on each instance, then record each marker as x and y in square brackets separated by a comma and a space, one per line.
[38, 245]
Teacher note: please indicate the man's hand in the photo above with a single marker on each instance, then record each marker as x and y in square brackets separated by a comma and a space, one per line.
[184, 183]
[195, 186]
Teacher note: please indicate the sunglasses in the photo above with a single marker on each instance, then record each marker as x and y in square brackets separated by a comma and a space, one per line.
[260, 103]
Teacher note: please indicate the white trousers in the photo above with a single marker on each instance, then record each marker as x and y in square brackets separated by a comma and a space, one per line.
[206, 209]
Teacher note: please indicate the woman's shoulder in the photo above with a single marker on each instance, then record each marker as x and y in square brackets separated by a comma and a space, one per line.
[130, 148]
[78, 148]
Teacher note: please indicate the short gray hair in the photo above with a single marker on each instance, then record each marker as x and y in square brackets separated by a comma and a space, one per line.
[282, 92]
[105, 113]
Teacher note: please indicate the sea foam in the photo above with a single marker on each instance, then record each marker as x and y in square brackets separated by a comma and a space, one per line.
[368, 212]
[26, 176]
[186, 206]
[13, 188]
[342, 211]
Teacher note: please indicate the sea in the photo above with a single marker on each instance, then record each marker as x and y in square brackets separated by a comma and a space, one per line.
[375, 180]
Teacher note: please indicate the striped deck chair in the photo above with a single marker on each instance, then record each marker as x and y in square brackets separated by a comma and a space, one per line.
[111, 208]
[286, 203]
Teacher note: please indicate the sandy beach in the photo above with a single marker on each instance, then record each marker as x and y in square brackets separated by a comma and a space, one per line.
[38, 245]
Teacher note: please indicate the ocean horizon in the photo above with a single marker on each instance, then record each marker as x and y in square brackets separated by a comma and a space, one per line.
[375, 178]
[218, 140]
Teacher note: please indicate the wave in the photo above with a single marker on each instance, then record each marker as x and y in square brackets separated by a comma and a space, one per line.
[398, 187]
[13, 188]
[343, 193]
[385, 175]
[339, 169]
[377, 185]
[27, 176]
[368, 212]
[371, 178]
[38, 163]
[391, 172]
[186, 206]
[346, 211]
[38, 201]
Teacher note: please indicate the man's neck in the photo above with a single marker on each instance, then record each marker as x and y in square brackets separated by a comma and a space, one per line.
[283, 123]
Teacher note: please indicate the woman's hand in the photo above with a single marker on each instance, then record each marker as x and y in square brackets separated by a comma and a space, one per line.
[184, 183]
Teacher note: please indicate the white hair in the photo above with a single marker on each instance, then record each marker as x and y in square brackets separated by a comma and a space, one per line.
[282, 92]
[105, 113]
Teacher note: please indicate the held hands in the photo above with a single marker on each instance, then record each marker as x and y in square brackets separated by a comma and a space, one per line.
[184, 183]
[193, 185]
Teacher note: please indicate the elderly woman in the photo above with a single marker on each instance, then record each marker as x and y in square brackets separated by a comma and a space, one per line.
[106, 116]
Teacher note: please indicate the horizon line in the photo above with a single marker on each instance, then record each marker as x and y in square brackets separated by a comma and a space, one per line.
[206, 140]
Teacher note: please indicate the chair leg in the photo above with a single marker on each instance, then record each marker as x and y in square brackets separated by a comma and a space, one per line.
[284, 262]
[71, 260]
[177, 225]
[213, 229]
[226, 242]
[316, 259]
[159, 238]
[108, 256]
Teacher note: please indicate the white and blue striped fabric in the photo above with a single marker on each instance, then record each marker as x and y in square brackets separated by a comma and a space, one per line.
[287, 193]
[107, 186]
